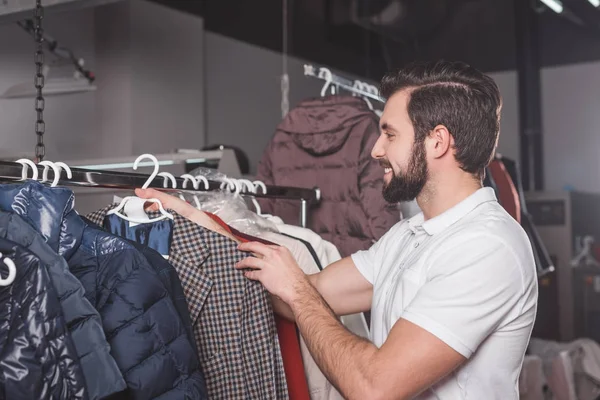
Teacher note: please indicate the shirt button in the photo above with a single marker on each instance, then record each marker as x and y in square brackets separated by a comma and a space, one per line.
[416, 245]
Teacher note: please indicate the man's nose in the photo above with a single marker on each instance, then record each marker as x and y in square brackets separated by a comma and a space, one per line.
[378, 149]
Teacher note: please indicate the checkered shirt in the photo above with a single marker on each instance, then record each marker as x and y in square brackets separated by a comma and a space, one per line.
[232, 316]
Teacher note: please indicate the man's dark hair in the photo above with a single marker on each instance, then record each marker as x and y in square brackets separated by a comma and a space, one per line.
[458, 96]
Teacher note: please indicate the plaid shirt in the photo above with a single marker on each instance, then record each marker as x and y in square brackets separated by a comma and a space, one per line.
[232, 316]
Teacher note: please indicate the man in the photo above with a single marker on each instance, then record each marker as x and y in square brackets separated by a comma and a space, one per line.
[453, 290]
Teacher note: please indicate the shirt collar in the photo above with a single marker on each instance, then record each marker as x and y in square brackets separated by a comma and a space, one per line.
[449, 217]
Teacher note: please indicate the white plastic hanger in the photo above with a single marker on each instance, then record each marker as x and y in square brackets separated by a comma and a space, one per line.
[47, 165]
[168, 177]
[134, 206]
[12, 272]
[64, 167]
[25, 162]
[585, 257]
[252, 189]
[325, 73]
[195, 185]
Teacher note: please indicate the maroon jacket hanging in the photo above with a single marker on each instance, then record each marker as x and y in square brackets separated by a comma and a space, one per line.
[326, 143]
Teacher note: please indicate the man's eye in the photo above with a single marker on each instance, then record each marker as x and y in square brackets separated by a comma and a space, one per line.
[389, 135]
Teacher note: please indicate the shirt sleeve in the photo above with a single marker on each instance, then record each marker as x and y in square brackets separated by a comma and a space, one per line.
[470, 291]
[368, 262]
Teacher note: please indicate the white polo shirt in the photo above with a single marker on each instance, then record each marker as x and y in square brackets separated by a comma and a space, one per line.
[468, 277]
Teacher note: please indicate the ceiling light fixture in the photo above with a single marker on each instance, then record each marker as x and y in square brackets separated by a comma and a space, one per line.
[554, 5]
[595, 3]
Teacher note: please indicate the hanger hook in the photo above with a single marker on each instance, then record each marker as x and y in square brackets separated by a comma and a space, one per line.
[12, 272]
[168, 176]
[47, 165]
[325, 73]
[253, 189]
[203, 179]
[25, 162]
[154, 173]
[187, 177]
[64, 167]
[260, 184]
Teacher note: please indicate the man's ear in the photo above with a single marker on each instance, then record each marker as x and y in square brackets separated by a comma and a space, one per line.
[440, 141]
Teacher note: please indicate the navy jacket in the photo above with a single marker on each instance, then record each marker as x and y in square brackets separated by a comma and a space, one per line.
[147, 337]
[102, 375]
[37, 356]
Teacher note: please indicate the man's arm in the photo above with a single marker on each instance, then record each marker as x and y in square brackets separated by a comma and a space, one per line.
[342, 286]
[410, 360]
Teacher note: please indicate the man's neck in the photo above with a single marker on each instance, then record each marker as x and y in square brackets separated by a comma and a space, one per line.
[440, 196]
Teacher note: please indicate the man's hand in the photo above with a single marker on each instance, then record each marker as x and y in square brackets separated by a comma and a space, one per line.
[168, 202]
[275, 268]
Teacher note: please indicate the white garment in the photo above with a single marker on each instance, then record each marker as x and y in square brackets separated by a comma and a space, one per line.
[318, 386]
[327, 254]
[326, 251]
[468, 277]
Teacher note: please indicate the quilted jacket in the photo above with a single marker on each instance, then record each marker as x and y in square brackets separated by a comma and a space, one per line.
[102, 376]
[326, 143]
[37, 356]
[142, 326]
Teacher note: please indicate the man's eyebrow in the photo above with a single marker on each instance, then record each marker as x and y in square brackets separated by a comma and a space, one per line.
[387, 127]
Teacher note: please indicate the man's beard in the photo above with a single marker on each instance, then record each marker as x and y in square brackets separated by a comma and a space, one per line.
[407, 186]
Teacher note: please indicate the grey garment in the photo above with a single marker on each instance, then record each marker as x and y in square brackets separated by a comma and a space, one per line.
[37, 356]
[101, 373]
[232, 317]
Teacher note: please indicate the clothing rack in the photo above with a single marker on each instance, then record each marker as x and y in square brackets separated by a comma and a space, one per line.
[12, 172]
[228, 163]
[325, 74]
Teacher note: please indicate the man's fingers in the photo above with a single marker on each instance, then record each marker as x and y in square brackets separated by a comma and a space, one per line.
[250, 262]
[167, 201]
[256, 248]
[253, 275]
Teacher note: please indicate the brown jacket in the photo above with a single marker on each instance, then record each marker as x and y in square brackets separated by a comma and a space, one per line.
[326, 143]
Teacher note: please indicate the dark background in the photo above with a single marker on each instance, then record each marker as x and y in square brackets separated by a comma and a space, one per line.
[480, 32]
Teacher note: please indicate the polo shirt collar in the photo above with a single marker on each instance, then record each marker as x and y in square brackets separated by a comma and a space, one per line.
[454, 214]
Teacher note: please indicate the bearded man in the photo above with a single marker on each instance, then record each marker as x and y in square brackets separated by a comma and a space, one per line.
[453, 290]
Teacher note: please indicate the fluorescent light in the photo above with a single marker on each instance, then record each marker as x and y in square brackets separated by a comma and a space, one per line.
[595, 3]
[141, 164]
[554, 5]
[53, 86]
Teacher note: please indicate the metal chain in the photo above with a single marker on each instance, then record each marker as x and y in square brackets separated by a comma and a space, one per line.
[40, 126]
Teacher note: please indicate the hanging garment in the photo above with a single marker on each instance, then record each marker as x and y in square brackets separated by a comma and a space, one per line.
[102, 375]
[328, 254]
[326, 251]
[327, 143]
[319, 387]
[572, 369]
[37, 357]
[508, 196]
[147, 338]
[231, 316]
[286, 330]
[166, 273]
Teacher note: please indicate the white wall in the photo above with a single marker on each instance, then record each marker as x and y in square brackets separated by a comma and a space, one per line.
[571, 104]
[70, 120]
[148, 60]
[243, 93]
[509, 142]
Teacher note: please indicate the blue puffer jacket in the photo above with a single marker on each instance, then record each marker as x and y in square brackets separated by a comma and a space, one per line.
[142, 326]
[38, 359]
[102, 376]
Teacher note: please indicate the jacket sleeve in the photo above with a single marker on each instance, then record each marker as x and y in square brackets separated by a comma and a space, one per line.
[265, 174]
[381, 215]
